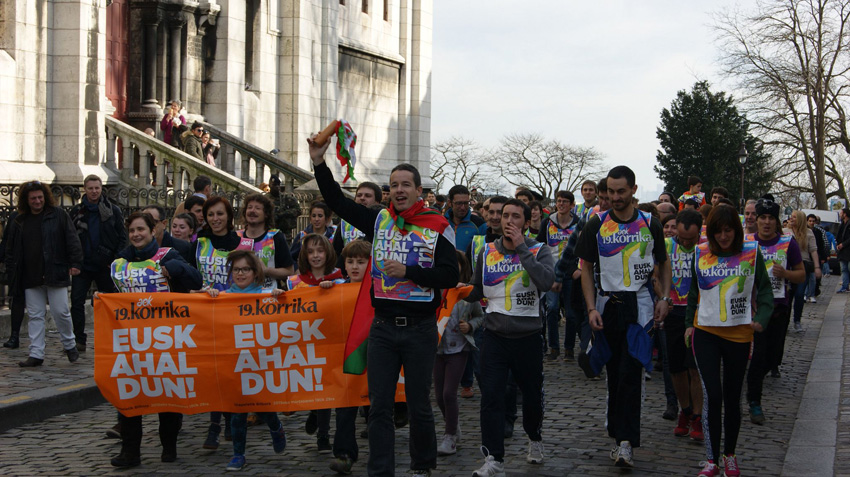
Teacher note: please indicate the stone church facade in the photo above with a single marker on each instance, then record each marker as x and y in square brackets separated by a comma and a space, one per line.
[267, 71]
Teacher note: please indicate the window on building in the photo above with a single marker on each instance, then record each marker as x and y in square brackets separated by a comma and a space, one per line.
[252, 8]
[365, 6]
[386, 10]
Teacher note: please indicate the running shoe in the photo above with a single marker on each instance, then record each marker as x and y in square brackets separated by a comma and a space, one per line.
[709, 469]
[535, 452]
[696, 428]
[682, 426]
[323, 443]
[730, 466]
[448, 445]
[624, 455]
[467, 392]
[756, 413]
[798, 327]
[670, 412]
[342, 465]
[278, 440]
[491, 467]
[236, 463]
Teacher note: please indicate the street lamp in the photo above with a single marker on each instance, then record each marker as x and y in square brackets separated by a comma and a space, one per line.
[742, 159]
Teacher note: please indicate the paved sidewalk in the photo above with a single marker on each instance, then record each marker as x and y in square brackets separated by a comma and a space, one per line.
[573, 432]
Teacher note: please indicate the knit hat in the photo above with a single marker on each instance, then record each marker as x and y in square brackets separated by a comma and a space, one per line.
[766, 206]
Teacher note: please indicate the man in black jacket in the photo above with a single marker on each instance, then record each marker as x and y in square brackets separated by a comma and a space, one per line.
[413, 259]
[100, 227]
[842, 247]
[42, 250]
[163, 238]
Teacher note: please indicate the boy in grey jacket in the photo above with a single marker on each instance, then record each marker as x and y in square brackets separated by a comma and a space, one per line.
[511, 273]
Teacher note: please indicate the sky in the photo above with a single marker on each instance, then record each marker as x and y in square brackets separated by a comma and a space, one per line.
[592, 74]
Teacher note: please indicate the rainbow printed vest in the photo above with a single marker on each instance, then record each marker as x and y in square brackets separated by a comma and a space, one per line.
[557, 236]
[625, 253]
[507, 285]
[295, 281]
[699, 197]
[582, 210]
[416, 247]
[477, 246]
[140, 277]
[349, 233]
[682, 262]
[264, 248]
[725, 286]
[772, 255]
[212, 263]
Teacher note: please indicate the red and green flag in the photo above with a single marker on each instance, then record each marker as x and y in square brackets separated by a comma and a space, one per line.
[346, 139]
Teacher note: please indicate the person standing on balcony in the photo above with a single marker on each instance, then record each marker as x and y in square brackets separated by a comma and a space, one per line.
[171, 122]
[192, 144]
[42, 251]
[100, 227]
[210, 147]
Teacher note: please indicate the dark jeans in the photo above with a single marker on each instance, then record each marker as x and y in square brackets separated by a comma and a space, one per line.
[553, 302]
[524, 358]
[798, 292]
[18, 306]
[131, 431]
[661, 344]
[323, 419]
[239, 428]
[80, 285]
[390, 348]
[345, 440]
[625, 386]
[710, 351]
[472, 369]
[447, 372]
[768, 348]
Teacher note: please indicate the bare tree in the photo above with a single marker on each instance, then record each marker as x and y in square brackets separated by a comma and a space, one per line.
[460, 161]
[791, 61]
[546, 165]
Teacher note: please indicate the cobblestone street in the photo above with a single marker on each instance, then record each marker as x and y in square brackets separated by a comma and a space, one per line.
[573, 432]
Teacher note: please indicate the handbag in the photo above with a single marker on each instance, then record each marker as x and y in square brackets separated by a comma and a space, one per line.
[809, 266]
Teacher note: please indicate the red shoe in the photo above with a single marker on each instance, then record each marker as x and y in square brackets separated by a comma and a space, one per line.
[681, 429]
[467, 392]
[696, 428]
[710, 469]
[730, 466]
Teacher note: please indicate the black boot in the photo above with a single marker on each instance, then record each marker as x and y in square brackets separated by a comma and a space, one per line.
[14, 340]
[127, 458]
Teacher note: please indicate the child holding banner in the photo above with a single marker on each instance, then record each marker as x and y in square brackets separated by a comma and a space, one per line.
[316, 261]
[452, 353]
[145, 267]
[246, 275]
[355, 256]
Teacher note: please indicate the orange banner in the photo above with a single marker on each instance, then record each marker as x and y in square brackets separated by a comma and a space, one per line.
[169, 352]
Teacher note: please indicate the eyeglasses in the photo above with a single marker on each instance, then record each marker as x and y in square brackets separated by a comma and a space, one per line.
[460, 204]
[241, 270]
[200, 130]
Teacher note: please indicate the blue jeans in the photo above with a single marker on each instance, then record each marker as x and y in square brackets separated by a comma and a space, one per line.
[239, 428]
[80, 285]
[552, 308]
[472, 370]
[799, 292]
[810, 284]
[390, 348]
[845, 275]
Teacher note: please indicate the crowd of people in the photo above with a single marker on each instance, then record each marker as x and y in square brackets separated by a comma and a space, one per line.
[709, 289]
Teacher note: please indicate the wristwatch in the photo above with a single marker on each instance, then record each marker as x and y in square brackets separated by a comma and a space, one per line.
[668, 300]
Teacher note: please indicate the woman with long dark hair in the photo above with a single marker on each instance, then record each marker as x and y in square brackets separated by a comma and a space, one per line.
[720, 326]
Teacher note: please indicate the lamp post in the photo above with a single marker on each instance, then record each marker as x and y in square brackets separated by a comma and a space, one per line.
[742, 159]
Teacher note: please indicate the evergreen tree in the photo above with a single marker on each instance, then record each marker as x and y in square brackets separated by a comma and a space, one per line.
[700, 135]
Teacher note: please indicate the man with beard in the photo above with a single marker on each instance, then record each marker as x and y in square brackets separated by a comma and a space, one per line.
[268, 243]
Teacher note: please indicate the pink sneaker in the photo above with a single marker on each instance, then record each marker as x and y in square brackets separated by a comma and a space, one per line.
[730, 466]
[709, 469]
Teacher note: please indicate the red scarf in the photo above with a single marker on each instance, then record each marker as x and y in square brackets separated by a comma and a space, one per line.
[419, 215]
[309, 279]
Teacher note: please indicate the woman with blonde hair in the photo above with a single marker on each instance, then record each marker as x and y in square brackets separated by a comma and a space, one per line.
[809, 250]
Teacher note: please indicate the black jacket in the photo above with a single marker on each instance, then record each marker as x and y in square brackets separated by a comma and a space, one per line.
[183, 247]
[843, 238]
[62, 249]
[113, 235]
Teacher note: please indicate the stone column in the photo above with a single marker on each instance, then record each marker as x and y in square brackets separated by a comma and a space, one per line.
[150, 24]
[175, 61]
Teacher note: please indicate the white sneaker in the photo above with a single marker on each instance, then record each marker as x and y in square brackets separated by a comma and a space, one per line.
[448, 446]
[813, 300]
[624, 455]
[798, 327]
[491, 467]
[535, 452]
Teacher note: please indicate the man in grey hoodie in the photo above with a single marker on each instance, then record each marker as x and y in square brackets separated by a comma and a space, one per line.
[510, 273]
